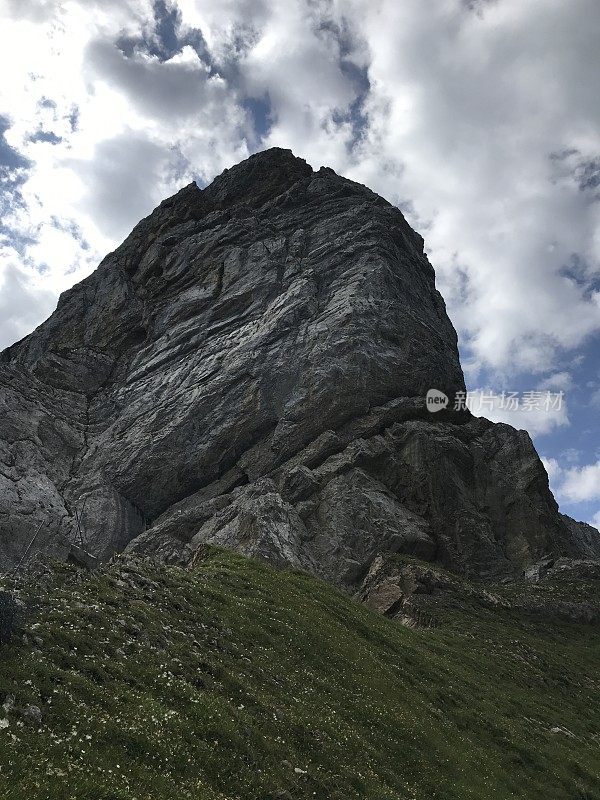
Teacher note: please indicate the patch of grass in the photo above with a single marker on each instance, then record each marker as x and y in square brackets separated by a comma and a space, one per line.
[239, 681]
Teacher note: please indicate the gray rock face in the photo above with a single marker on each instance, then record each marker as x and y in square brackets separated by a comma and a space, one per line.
[582, 541]
[248, 368]
[414, 593]
[472, 495]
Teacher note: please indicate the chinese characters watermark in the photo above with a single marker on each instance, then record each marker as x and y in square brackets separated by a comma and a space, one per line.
[480, 401]
[509, 401]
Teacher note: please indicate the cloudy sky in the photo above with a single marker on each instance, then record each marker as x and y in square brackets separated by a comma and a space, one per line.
[480, 119]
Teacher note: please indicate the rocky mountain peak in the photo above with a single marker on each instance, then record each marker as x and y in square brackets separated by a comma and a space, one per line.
[249, 368]
[260, 179]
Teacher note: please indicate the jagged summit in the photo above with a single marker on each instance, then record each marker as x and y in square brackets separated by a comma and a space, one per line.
[249, 368]
[259, 179]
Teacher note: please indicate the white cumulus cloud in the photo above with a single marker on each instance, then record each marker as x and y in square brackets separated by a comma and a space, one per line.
[581, 483]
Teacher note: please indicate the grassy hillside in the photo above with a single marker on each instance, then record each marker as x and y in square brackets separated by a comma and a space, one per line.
[239, 681]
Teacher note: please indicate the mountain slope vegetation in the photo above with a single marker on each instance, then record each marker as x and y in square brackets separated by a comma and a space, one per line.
[236, 680]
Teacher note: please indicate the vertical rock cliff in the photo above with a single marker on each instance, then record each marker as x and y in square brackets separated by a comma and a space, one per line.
[249, 368]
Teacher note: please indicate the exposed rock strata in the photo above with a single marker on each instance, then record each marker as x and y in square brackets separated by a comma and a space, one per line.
[248, 368]
[418, 594]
